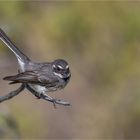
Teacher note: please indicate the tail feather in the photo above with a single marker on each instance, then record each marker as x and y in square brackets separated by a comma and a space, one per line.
[11, 78]
[14, 82]
[20, 56]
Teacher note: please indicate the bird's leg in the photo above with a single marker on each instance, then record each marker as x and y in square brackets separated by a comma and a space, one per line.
[12, 94]
[56, 101]
[33, 91]
[48, 98]
[38, 95]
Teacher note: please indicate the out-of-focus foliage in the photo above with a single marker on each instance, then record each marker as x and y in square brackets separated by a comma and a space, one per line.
[101, 42]
[8, 124]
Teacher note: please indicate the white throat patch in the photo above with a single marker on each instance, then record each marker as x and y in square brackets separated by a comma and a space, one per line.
[58, 74]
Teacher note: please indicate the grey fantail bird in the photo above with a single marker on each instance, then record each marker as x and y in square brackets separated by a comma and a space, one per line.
[38, 78]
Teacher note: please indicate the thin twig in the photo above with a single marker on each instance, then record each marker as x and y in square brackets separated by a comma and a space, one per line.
[56, 101]
[42, 96]
[12, 94]
[45, 97]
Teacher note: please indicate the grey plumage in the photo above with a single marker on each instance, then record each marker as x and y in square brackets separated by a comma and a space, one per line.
[39, 77]
[20, 56]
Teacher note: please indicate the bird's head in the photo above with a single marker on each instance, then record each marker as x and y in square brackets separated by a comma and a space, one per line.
[61, 69]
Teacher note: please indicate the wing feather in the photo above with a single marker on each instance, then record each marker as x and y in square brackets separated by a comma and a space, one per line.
[31, 77]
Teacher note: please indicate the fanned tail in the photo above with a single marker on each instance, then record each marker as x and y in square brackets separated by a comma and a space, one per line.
[20, 56]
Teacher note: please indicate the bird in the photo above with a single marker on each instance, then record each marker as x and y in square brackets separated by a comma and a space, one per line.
[38, 78]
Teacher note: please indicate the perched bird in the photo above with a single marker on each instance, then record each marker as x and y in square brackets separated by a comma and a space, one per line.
[38, 78]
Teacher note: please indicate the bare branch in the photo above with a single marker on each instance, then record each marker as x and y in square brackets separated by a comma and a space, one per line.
[39, 96]
[55, 101]
[12, 94]
[45, 97]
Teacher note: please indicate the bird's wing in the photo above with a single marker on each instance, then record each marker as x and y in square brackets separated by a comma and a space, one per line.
[31, 77]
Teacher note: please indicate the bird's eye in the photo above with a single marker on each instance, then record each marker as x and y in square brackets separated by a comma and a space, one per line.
[58, 68]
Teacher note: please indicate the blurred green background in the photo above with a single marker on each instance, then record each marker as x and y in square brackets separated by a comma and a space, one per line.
[101, 42]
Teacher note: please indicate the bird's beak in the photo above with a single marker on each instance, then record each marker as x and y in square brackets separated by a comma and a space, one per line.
[67, 77]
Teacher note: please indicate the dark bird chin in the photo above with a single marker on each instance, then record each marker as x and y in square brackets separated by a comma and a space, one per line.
[66, 79]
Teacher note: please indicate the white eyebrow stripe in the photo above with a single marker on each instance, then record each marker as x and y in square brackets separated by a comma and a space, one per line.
[67, 66]
[60, 67]
[58, 74]
[69, 75]
[54, 66]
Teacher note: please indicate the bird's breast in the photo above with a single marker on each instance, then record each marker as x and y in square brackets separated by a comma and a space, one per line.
[42, 89]
[38, 88]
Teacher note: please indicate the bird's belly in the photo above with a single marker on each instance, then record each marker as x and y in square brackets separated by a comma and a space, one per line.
[42, 89]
